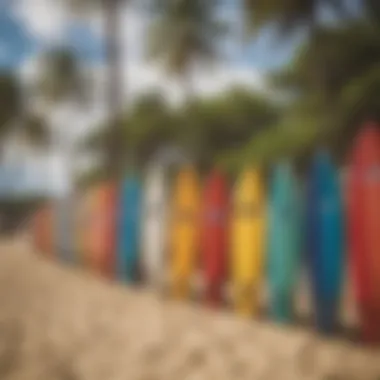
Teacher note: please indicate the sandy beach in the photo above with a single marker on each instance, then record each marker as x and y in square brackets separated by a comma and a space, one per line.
[58, 322]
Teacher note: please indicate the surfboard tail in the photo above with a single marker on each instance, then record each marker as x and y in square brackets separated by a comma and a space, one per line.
[246, 301]
[180, 290]
[370, 325]
[282, 308]
[127, 273]
[213, 295]
[327, 316]
[245, 307]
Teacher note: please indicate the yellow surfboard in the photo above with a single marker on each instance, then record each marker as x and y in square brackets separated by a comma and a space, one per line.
[184, 232]
[247, 242]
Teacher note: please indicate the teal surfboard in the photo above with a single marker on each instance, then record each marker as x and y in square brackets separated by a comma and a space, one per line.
[325, 235]
[128, 260]
[284, 241]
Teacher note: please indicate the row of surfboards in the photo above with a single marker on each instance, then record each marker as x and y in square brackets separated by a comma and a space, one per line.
[245, 234]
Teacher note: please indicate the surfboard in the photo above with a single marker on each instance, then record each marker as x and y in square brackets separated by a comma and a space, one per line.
[37, 230]
[65, 229]
[184, 232]
[129, 230]
[284, 241]
[100, 230]
[44, 230]
[325, 241]
[78, 228]
[109, 209]
[154, 226]
[248, 242]
[87, 223]
[214, 228]
[363, 228]
[85, 217]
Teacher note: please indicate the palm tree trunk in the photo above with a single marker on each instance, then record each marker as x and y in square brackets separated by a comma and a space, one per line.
[114, 86]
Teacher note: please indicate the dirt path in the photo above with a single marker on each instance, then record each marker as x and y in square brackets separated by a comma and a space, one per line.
[57, 323]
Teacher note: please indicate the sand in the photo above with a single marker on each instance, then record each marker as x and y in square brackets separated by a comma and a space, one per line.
[57, 322]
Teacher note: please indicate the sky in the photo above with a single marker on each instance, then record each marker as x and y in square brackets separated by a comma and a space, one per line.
[28, 27]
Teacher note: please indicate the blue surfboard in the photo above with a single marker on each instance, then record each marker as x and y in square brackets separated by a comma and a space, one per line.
[129, 230]
[284, 241]
[325, 241]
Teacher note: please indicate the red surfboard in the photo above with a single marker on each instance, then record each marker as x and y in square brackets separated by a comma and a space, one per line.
[364, 228]
[214, 236]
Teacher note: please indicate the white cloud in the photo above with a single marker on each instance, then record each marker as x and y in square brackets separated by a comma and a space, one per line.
[46, 19]
[133, 30]
[29, 70]
[143, 77]
[43, 19]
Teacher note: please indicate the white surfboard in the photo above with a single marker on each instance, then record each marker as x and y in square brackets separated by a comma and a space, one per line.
[154, 226]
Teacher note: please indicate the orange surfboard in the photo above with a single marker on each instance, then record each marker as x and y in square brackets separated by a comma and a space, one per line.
[184, 232]
[85, 222]
[43, 227]
[99, 230]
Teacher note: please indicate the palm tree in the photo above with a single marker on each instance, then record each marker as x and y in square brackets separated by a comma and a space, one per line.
[15, 118]
[184, 35]
[10, 100]
[111, 11]
[287, 15]
[343, 94]
[61, 77]
[149, 125]
[61, 82]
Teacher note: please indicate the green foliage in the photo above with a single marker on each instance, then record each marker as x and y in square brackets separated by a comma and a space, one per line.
[285, 16]
[10, 100]
[13, 114]
[62, 76]
[36, 130]
[184, 33]
[224, 123]
[333, 86]
[205, 128]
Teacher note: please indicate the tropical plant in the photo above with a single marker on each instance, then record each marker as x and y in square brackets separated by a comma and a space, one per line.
[111, 10]
[10, 100]
[14, 118]
[62, 77]
[61, 82]
[216, 126]
[185, 36]
[224, 123]
[331, 87]
[338, 72]
[150, 123]
[288, 15]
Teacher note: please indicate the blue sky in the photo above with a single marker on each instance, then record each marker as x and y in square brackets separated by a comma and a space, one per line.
[17, 43]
